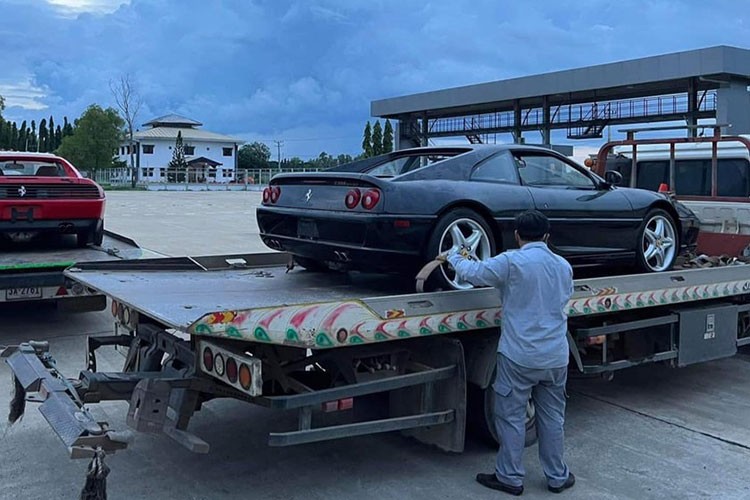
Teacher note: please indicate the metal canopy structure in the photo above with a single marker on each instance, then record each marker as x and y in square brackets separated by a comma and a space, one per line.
[691, 85]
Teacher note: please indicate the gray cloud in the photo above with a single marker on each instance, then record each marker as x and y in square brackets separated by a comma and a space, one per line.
[307, 70]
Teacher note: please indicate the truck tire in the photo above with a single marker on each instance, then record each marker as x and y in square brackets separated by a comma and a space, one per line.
[482, 404]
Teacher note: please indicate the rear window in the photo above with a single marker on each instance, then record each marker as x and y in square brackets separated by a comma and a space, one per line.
[404, 164]
[31, 168]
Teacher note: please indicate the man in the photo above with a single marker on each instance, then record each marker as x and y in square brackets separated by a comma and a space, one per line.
[535, 286]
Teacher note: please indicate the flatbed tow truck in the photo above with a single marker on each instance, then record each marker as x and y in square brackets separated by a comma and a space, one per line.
[360, 349]
[33, 271]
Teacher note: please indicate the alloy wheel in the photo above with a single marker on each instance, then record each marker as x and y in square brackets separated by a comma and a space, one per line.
[658, 243]
[469, 234]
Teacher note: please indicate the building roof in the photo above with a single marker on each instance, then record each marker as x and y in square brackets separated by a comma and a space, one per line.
[188, 134]
[663, 74]
[173, 120]
[205, 161]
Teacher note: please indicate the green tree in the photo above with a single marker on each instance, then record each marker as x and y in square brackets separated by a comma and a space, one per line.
[67, 127]
[14, 137]
[58, 137]
[178, 163]
[343, 158]
[388, 137]
[34, 139]
[43, 136]
[97, 134]
[377, 139]
[367, 141]
[23, 137]
[4, 135]
[254, 155]
[51, 146]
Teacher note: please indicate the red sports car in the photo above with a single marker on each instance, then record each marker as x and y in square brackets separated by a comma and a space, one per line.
[41, 193]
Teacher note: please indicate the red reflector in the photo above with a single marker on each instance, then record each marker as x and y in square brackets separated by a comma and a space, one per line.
[346, 404]
[339, 405]
[62, 291]
[330, 406]
[663, 187]
[403, 224]
[208, 359]
[246, 378]
[231, 370]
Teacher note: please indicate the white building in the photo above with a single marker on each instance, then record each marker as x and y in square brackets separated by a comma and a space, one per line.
[211, 157]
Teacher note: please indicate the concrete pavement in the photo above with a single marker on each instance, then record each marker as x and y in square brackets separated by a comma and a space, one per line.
[653, 432]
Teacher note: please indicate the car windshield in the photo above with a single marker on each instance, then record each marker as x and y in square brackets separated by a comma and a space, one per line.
[404, 164]
[31, 168]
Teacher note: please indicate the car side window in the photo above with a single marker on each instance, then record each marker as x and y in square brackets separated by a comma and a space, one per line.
[497, 168]
[547, 170]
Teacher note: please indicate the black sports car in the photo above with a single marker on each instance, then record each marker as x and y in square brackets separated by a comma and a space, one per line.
[397, 211]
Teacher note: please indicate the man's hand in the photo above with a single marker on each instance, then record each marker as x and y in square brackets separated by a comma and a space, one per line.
[463, 251]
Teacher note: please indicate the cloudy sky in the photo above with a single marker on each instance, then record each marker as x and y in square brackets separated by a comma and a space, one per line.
[305, 71]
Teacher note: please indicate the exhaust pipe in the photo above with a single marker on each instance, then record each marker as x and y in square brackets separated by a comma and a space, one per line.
[342, 255]
[66, 227]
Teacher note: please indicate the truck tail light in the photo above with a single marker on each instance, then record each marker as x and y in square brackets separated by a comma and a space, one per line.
[370, 199]
[266, 195]
[352, 198]
[237, 369]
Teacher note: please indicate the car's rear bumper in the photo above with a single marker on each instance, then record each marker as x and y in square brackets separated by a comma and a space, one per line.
[65, 226]
[356, 241]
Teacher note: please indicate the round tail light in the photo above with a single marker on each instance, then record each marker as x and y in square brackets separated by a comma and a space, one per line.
[370, 199]
[266, 195]
[246, 378]
[219, 365]
[275, 192]
[208, 359]
[232, 370]
[352, 198]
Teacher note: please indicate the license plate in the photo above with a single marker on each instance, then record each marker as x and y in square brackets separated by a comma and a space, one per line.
[307, 229]
[23, 293]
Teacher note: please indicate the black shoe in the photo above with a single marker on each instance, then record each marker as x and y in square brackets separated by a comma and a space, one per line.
[491, 481]
[567, 484]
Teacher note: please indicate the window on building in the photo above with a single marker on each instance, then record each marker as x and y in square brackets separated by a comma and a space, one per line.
[148, 149]
[189, 150]
[226, 151]
[162, 172]
[144, 172]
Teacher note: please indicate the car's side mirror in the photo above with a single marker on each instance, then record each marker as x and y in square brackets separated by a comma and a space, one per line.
[613, 177]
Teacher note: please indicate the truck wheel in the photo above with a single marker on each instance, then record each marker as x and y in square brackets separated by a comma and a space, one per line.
[658, 242]
[483, 420]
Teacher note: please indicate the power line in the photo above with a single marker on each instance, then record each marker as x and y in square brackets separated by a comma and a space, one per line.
[278, 149]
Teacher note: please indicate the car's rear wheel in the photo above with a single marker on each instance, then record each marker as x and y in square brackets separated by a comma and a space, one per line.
[93, 237]
[658, 242]
[458, 227]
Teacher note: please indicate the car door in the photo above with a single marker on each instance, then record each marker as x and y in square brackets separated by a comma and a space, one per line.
[586, 216]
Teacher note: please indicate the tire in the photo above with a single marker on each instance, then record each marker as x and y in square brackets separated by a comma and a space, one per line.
[311, 264]
[482, 404]
[658, 242]
[83, 238]
[469, 223]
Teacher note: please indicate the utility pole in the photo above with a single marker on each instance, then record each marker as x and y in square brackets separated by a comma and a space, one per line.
[278, 153]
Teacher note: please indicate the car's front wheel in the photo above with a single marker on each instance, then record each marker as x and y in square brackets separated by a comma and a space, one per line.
[658, 242]
[461, 227]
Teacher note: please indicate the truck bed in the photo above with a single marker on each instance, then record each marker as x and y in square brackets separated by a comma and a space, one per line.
[64, 252]
[258, 300]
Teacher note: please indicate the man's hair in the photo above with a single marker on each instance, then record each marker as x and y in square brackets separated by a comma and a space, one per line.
[532, 225]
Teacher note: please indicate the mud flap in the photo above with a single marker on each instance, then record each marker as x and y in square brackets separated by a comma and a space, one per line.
[441, 395]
